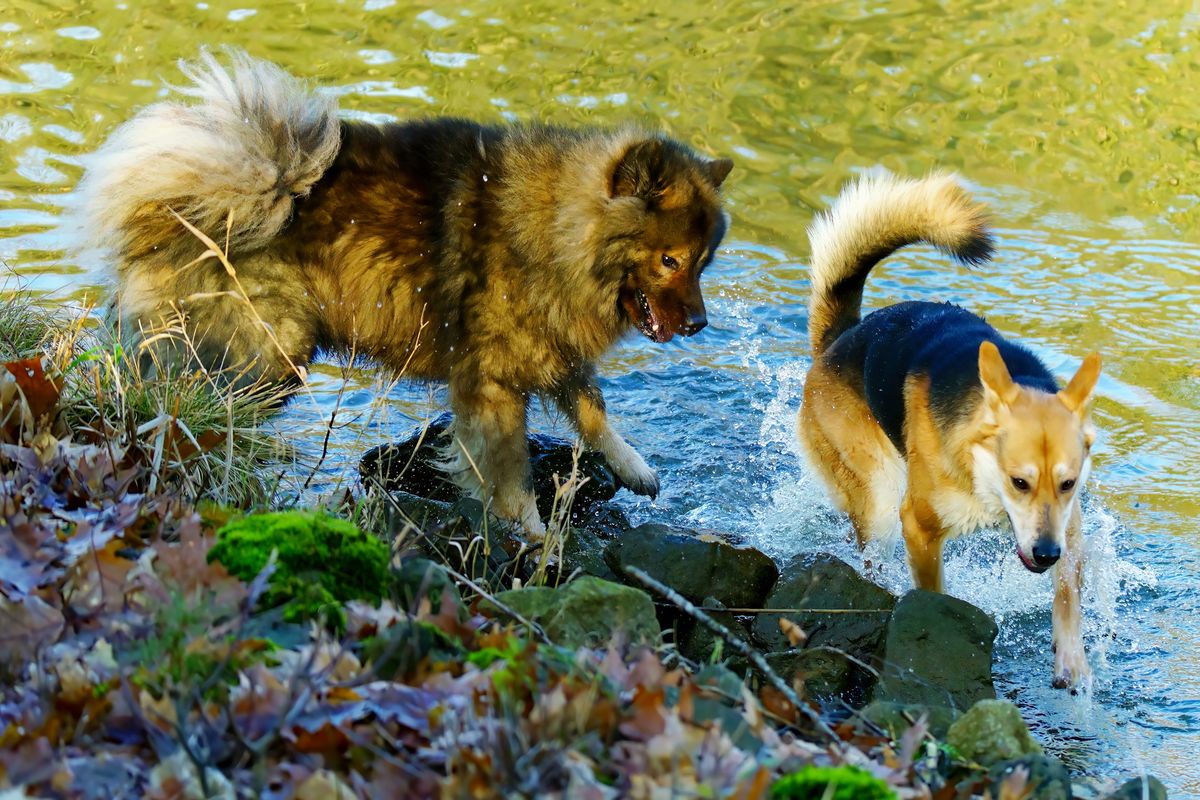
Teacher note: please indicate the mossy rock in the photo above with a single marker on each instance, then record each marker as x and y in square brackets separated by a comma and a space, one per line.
[322, 561]
[831, 783]
[992, 731]
[587, 612]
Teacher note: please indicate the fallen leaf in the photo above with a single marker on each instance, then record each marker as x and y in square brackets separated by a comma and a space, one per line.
[26, 626]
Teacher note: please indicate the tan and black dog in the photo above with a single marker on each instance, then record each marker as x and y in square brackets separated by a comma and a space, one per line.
[502, 259]
[923, 413]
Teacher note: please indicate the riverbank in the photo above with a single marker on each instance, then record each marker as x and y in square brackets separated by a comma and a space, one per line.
[169, 634]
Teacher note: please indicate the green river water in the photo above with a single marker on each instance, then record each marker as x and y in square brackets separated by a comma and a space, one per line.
[1079, 123]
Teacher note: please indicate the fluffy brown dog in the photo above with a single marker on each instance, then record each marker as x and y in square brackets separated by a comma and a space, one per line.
[504, 260]
[923, 414]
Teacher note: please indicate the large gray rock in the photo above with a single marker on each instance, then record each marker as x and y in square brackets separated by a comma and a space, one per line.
[822, 581]
[587, 612]
[938, 652]
[410, 466]
[992, 731]
[695, 564]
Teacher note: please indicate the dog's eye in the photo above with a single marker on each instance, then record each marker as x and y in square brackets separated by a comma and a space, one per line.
[1067, 485]
[669, 262]
[1020, 484]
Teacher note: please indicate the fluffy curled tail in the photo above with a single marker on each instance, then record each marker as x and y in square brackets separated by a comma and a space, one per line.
[253, 139]
[872, 218]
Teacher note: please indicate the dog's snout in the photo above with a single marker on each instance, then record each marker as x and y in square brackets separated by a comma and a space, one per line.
[695, 322]
[1045, 553]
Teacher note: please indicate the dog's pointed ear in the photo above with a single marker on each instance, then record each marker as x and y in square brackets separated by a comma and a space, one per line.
[1079, 391]
[637, 172]
[998, 387]
[718, 170]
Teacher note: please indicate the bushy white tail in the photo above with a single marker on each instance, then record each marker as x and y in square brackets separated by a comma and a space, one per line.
[872, 218]
[252, 141]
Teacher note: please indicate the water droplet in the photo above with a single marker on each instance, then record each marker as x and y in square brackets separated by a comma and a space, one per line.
[352, 220]
[379, 304]
[418, 289]
[485, 179]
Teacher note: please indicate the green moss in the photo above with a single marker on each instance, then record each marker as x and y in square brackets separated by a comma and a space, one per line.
[323, 561]
[831, 783]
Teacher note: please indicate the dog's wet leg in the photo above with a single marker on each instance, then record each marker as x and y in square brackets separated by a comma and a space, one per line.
[1070, 658]
[488, 455]
[580, 399]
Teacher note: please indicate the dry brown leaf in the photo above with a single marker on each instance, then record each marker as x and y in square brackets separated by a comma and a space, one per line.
[795, 634]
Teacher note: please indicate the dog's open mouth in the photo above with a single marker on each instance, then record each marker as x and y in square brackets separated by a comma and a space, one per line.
[648, 322]
[1029, 565]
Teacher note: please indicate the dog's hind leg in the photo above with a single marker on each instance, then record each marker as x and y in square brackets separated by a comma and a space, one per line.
[488, 456]
[852, 456]
[1070, 658]
[580, 399]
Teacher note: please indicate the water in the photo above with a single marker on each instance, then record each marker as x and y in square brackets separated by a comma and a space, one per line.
[1076, 122]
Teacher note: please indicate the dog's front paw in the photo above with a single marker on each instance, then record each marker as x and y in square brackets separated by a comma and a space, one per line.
[633, 472]
[1070, 667]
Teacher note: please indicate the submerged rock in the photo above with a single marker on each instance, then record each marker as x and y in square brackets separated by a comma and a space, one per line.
[992, 731]
[696, 564]
[1032, 777]
[938, 652]
[822, 581]
[411, 466]
[587, 612]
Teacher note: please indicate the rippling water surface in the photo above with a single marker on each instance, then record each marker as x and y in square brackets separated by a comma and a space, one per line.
[1079, 123]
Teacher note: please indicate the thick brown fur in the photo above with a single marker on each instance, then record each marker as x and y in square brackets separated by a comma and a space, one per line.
[502, 259]
[923, 414]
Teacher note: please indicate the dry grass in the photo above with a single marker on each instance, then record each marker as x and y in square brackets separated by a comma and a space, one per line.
[201, 438]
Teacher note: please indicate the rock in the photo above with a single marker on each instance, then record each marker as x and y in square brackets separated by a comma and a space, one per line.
[696, 564]
[321, 561]
[1146, 787]
[722, 704]
[1044, 778]
[896, 718]
[587, 612]
[400, 649]
[410, 466]
[450, 534]
[819, 581]
[938, 652]
[825, 674]
[992, 731]
[418, 578]
[584, 551]
[696, 642]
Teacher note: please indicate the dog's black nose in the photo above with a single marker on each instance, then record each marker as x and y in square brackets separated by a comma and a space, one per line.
[694, 324]
[1045, 554]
